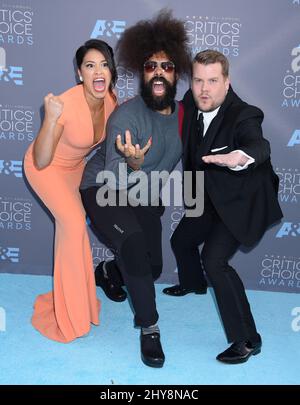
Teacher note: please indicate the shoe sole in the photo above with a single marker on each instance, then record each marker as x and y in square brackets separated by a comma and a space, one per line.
[98, 284]
[254, 353]
[152, 364]
[114, 300]
[182, 295]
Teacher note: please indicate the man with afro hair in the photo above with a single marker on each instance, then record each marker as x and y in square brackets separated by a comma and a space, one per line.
[143, 133]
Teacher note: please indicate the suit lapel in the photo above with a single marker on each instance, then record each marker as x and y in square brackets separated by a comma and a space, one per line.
[188, 128]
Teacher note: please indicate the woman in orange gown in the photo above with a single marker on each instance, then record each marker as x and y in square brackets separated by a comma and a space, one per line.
[74, 123]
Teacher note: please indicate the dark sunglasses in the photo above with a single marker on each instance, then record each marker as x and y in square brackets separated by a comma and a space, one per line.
[151, 65]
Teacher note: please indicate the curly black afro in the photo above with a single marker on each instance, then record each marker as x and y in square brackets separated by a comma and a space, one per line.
[163, 33]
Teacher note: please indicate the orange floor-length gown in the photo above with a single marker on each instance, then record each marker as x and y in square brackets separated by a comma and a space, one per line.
[68, 311]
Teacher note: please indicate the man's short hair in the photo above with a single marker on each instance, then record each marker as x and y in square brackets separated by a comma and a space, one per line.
[210, 56]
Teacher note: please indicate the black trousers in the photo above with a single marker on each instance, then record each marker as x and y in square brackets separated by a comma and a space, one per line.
[134, 236]
[219, 246]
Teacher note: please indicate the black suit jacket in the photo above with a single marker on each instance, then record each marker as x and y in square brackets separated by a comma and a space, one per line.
[245, 200]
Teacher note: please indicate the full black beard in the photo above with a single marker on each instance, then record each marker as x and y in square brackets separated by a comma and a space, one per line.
[158, 103]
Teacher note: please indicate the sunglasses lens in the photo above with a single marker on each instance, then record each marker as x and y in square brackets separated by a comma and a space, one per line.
[168, 67]
[150, 66]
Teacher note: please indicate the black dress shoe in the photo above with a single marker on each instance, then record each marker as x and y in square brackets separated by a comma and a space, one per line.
[239, 352]
[177, 291]
[113, 291]
[151, 351]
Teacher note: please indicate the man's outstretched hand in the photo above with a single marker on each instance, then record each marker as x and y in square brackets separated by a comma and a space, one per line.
[134, 154]
[230, 160]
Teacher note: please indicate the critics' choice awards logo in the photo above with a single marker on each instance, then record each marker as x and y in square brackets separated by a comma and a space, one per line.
[295, 139]
[108, 28]
[289, 230]
[280, 271]
[9, 254]
[16, 25]
[289, 185]
[291, 81]
[125, 86]
[11, 167]
[16, 123]
[219, 33]
[10, 74]
[15, 214]
[100, 254]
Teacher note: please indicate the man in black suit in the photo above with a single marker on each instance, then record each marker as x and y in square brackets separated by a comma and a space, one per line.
[222, 136]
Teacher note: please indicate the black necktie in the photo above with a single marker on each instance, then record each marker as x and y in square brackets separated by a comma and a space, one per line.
[200, 128]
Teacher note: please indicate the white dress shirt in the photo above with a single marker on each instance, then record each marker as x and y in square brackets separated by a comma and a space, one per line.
[207, 119]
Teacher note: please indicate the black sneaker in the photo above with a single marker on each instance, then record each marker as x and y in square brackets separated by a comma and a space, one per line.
[178, 291]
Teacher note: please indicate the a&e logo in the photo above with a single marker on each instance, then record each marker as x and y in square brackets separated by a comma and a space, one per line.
[289, 229]
[10, 73]
[11, 167]
[295, 65]
[296, 321]
[2, 320]
[107, 28]
[9, 254]
[295, 139]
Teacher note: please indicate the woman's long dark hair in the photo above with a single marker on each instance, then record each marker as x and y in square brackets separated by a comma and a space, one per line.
[106, 51]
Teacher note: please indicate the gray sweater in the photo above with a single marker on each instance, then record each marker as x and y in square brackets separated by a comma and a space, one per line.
[142, 122]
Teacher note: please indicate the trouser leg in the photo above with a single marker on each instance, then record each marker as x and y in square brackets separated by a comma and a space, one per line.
[229, 290]
[120, 230]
